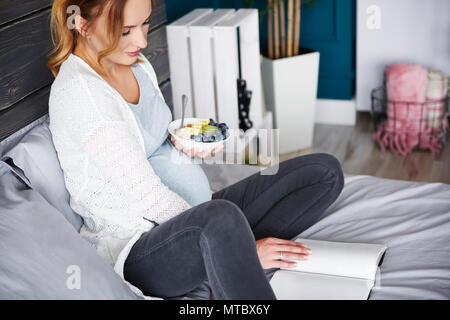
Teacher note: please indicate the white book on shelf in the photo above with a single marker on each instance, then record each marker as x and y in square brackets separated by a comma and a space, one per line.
[202, 59]
[180, 60]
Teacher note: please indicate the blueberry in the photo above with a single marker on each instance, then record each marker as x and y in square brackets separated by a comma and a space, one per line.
[192, 137]
[223, 125]
[218, 136]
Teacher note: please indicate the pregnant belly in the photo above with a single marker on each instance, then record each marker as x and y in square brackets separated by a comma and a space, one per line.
[186, 179]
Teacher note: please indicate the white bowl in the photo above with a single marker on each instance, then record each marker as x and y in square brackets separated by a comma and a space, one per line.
[188, 143]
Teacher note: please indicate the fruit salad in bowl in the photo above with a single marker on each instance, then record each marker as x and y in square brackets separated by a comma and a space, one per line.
[199, 133]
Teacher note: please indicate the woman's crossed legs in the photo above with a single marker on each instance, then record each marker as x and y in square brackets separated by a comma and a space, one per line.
[215, 240]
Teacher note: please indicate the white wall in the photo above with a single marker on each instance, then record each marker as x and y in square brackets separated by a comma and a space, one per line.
[412, 31]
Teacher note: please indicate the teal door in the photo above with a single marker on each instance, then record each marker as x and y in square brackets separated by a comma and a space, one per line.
[328, 27]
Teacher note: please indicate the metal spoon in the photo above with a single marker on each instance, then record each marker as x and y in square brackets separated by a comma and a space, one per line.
[184, 100]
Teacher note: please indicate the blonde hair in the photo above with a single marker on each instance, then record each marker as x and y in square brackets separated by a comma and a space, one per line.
[65, 39]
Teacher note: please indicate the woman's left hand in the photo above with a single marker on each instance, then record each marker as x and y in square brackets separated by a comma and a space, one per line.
[269, 250]
[193, 152]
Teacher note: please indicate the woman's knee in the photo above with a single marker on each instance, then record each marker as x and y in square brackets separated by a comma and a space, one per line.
[226, 212]
[330, 161]
[325, 166]
[327, 162]
[222, 215]
[334, 169]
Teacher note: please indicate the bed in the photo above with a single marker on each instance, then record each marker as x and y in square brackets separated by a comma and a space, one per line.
[42, 255]
[411, 218]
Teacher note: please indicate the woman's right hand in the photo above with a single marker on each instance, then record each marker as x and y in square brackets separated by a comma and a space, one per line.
[193, 152]
[269, 252]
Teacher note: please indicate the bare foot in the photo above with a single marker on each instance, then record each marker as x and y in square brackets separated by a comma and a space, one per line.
[212, 297]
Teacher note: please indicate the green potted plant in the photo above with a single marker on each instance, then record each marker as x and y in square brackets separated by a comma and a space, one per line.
[290, 74]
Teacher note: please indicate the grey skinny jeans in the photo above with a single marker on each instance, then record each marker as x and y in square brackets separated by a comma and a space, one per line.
[215, 241]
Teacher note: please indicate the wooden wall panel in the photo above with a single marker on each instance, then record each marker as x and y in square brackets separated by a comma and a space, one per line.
[14, 9]
[24, 45]
[24, 112]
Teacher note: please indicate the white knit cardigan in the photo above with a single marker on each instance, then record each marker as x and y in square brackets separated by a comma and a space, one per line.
[102, 154]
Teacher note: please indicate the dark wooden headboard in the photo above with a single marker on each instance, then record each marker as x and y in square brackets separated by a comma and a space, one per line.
[24, 43]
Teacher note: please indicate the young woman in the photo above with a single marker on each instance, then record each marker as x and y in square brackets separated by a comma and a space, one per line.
[154, 220]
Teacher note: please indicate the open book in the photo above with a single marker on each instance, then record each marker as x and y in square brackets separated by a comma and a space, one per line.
[333, 271]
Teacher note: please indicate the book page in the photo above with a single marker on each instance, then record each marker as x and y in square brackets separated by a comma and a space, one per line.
[358, 260]
[294, 285]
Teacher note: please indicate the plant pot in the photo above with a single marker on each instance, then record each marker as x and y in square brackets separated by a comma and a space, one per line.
[290, 90]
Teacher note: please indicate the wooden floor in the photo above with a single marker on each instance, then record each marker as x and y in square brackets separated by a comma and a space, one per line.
[359, 154]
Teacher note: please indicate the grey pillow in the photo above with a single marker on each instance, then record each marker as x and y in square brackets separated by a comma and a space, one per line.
[41, 255]
[35, 154]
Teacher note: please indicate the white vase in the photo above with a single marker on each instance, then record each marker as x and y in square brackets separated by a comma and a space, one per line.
[290, 90]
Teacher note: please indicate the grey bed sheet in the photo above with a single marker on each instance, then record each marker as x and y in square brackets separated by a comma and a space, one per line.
[411, 218]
